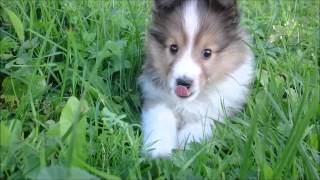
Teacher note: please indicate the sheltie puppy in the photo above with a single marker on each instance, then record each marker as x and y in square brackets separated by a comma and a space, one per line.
[197, 71]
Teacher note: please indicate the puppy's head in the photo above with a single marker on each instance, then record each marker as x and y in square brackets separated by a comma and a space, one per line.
[194, 43]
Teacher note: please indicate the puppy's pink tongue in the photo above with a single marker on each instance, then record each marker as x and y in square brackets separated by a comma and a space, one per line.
[182, 91]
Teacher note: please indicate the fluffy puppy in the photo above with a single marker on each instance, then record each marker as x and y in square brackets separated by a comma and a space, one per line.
[197, 71]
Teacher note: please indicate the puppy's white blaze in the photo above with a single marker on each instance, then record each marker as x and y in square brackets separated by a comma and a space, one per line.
[186, 66]
[191, 21]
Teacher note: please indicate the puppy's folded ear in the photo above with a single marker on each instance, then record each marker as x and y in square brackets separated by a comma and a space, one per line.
[228, 3]
[228, 9]
[222, 4]
[166, 4]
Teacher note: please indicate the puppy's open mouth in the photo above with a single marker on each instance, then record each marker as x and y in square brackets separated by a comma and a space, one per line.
[183, 91]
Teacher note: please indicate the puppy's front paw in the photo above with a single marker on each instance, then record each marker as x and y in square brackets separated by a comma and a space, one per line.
[159, 127]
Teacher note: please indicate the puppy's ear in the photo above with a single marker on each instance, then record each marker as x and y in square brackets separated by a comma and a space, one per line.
[166, 4]
[225, 6]
[222, 4]
[228, 3]
[228, 9]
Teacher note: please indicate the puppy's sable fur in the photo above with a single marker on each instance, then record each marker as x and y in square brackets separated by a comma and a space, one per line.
[197, 71]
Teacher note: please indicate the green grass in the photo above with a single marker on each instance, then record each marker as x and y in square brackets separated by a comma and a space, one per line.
[69, 102]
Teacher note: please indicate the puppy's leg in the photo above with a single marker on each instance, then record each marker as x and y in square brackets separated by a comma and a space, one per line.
[159, 127]
[193, 131]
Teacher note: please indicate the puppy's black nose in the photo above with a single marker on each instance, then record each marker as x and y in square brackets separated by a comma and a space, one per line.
[184, 82]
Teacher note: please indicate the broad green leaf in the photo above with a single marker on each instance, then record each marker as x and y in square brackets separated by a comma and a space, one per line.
[264, 79]
[16, 128]
[67, 115]
[31, 160]
[61, 172]
[71, 115]
[6, 135]
[80, 140]
[13, 87]
[53, 130]
[17, 24]
[38, 85]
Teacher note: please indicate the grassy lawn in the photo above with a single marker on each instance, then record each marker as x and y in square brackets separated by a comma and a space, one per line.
[69, 101]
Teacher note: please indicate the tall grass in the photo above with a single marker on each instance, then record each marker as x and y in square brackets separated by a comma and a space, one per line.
[69, 102]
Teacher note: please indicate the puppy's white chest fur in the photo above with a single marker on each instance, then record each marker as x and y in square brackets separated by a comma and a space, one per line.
[169, 122]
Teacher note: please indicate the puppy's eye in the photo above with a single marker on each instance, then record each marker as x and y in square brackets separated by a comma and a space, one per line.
[206, 53]
[174, 48]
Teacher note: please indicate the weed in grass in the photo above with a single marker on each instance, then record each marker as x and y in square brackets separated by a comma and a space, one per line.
[69, 103]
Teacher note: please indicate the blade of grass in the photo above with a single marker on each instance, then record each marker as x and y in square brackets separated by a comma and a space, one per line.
[17, 24]
[297, 132]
